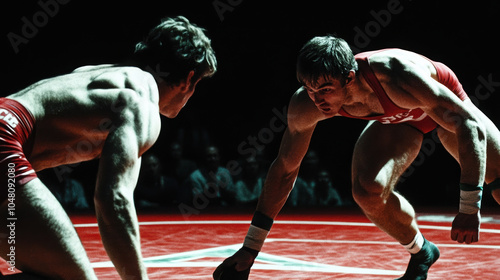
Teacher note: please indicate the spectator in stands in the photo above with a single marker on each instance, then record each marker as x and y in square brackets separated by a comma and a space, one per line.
[324, 192]
[313, 186]
[249, 186]
[68, 190]
[211, 181]
[154, 189]
[176, 165]
[303, 190]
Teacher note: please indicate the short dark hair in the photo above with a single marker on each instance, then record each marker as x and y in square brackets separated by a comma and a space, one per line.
[176, 47]
[325, 56]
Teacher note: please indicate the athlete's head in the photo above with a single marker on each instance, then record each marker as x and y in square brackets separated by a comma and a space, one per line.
[325, 57]
[174, 48]
[178, 54]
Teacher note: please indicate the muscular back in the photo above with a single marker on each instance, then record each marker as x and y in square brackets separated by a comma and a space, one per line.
[75, 112]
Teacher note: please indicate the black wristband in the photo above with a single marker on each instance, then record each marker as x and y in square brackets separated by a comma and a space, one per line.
[253, 252]
[262, 221]
[469, 187]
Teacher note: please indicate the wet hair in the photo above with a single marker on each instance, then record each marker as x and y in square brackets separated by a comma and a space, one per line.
[174, 48]
[325, 56]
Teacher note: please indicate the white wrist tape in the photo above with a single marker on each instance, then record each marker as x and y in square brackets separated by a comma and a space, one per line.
[255, 238]
[470, 201]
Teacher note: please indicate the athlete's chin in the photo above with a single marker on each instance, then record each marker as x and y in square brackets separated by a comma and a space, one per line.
[329, 114]
[170, 113]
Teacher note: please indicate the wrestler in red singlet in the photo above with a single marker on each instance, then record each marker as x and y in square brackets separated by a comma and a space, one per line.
[395, 114]
[335, 82]
[16, 126]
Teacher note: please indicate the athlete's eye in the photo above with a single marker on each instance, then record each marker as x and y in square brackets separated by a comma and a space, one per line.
[326, 90]
[308, 90]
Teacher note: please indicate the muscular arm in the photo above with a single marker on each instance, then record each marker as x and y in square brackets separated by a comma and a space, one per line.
[118, 172]
[117, 178]
[420, 90]
[302, 119]
[471, 139]
[283, 172]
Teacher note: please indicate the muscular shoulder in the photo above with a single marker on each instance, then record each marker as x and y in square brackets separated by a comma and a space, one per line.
[396, 65]
[135, 100]
[302, 113]
[125, 78]
[404, 76]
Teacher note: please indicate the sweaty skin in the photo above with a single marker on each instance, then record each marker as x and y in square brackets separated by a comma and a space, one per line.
[384, 151]
[103, 112]
[410, 81]
[76, 112]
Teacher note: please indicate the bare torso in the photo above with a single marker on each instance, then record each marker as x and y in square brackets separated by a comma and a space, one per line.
[74, 113]
[366, 102]
[359, 99]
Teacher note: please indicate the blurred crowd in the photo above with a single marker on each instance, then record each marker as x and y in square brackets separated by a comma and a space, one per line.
[173, 181]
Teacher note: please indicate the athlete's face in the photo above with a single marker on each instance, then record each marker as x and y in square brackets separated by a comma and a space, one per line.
[328, 94]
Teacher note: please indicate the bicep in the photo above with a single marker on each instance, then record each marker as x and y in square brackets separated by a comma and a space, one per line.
[302, 118]
[135, 129]
[420, 90]
[121, 149]
[120, 161]
[449, 114]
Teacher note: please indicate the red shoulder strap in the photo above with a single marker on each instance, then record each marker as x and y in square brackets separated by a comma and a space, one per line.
[366, 71]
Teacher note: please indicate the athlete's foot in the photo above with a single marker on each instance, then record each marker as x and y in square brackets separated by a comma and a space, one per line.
[421, 262]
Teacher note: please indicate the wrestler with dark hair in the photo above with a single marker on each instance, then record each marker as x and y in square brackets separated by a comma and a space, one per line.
[110, 112]
[403, 95]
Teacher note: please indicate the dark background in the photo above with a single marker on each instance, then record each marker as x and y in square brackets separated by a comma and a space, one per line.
[256, 43]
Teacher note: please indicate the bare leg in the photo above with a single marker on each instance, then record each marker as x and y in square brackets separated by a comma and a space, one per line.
[381, 155]
[46, 242]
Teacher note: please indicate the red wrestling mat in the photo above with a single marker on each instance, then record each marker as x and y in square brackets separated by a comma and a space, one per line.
[333, 246]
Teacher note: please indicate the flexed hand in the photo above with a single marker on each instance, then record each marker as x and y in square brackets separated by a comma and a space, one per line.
[236, 267]
[465, 228]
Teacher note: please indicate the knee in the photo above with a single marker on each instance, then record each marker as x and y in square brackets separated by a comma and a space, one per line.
[370, 195]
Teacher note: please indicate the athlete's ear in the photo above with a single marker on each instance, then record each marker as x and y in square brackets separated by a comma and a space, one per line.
[188, 82]
[350, 77]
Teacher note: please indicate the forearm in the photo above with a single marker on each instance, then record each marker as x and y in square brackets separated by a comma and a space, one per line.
[119, 231]
[471, 138]
[277, 187]
[472, 153]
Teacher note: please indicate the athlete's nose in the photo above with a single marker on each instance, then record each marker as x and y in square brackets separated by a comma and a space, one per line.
[318, 100]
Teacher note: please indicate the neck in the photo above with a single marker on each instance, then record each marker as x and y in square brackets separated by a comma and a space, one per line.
[357, 91]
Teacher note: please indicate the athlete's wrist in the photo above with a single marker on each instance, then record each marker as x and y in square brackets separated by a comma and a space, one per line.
[251, 251]
[258, 231]
[470, 198]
